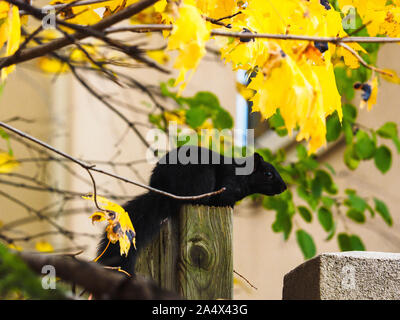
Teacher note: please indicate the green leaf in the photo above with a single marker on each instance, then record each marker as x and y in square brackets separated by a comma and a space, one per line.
[223, 120]
[326, 181]
[5, 136]
[349, 158]
[383, 159]
[349, 191]
[305, 213]
[204, 98]
[330, 168]
[266, 154]
[309, 163]
[307, 196]
[306, 244]
[356, 215]
[350, 242]
[349, 113]
[371, 211]
[356, 243]
[344, 83]
[196, 116]
[277, 123]
[16, 276]
[284, 207]
[388, 130]
[327, 201]
[364, 147]
[396, 142]
[283, 223]
[301, 152]
[331, 233]
[333, 127]
[383, 211]
[344, 242]
[325, 218]
[316, 187]
[156, 120]
[348, 132]
[356, 202]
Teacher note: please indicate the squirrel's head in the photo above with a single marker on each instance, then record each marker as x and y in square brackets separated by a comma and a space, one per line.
[265, 179]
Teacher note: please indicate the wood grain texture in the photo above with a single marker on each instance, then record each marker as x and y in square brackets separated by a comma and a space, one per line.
[193, 254]
[206, 260]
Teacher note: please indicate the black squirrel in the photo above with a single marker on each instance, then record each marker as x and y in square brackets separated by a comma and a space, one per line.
[189, 171]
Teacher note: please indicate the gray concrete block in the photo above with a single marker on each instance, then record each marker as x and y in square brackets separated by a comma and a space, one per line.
[353, 275]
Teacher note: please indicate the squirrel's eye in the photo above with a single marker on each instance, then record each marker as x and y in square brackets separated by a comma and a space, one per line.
[269, 174]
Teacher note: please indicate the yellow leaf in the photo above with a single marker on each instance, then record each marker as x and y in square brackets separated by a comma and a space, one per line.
[77, 55]
[313, 54]
[160, 5]
[44, 246]
[119, 226]
[244, 91]
[188, 36]
[7, 162]
[98, 216]
[15, 247]
[3, 33]
[13, 39]
[177, 116]
[159, 55]
[51, 65]
[394, 78]
[374, 92]
[4, 8]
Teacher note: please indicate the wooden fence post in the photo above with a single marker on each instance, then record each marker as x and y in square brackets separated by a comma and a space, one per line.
[193, 254]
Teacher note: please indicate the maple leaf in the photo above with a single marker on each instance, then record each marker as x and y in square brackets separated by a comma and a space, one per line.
[119, 226]
[188, 36]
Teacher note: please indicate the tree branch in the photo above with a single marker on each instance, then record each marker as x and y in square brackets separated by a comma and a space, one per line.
[49, 47]
[102, 283]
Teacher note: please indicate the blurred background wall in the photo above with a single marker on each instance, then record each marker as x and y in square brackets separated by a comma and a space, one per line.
[68, 117]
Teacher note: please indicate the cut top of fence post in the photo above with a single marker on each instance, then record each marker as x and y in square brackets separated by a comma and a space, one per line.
[353, 275]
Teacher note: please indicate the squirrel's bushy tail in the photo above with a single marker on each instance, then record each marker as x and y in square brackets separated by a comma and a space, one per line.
[147, 213]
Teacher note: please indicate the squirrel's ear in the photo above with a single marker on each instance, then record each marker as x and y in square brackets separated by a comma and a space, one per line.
[258, 159]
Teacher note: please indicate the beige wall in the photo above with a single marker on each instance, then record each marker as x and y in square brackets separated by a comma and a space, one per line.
[85, 128]
[26, 95]
[264, 257]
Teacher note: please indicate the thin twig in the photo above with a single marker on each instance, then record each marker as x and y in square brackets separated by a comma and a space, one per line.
[362, 61]
[242, 35]
[90, 167]
[248, 282]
